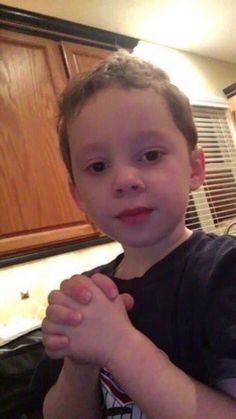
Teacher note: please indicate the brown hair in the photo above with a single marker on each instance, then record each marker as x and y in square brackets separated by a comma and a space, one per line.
[124, 70]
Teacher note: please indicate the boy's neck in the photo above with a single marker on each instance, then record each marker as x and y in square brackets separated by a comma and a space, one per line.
[137, 261]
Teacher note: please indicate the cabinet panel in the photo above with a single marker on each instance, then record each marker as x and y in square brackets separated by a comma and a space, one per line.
[80, 58]
[34, 199]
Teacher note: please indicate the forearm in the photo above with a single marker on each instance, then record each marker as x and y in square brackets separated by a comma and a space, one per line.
[76, 394]
[161, 390]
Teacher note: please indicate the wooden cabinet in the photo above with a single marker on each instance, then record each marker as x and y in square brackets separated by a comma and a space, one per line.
[80, 58]
[36, 209]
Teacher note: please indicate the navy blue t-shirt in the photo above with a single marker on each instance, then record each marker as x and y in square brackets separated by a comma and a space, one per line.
[185, 304]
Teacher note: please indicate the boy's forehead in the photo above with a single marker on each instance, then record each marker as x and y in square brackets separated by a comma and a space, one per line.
[125, 111]
[115, 102]
[116, 111]
[115, 91]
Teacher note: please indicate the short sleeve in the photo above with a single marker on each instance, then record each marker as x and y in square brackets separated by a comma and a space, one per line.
[220, 327]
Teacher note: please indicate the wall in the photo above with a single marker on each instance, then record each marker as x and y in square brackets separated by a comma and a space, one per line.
[201, 78]
[73, 10]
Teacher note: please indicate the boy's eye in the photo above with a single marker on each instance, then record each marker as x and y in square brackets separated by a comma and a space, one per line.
[152, 155]
[97, 167]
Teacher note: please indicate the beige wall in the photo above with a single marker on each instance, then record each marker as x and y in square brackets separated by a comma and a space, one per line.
[201, 78]
[74, 10]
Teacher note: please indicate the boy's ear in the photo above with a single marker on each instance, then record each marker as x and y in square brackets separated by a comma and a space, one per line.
[76, 195]
[198, 169]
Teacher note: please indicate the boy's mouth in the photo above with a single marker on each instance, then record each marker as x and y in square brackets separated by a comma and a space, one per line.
[134, 215]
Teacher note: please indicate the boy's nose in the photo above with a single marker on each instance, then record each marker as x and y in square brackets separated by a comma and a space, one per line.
[127, 181]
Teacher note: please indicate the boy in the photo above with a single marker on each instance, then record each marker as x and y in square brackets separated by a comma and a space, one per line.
[130, 145]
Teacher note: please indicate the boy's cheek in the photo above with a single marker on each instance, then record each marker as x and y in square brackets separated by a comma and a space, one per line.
[76, 195]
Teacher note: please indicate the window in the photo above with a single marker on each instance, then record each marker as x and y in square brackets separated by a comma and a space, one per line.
[213, 207]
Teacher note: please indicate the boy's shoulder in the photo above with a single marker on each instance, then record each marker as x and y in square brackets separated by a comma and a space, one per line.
[211, 240]
[210, 262]
[211, 249]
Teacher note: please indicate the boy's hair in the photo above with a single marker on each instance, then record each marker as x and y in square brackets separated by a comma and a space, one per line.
[124, 70]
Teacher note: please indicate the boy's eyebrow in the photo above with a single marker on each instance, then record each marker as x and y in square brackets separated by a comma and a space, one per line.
[92, 147]
[152, 134]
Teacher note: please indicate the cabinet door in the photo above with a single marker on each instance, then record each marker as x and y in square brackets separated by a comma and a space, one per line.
[35, 205]
[81, 58]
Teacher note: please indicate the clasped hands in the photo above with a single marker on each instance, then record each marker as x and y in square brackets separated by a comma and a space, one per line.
[86, 320]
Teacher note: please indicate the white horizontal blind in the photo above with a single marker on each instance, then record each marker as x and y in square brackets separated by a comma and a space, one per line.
[213, 207]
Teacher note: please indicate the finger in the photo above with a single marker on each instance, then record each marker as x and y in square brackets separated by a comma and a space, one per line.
[55, 342]
[62, 315]
[128, 301]
[79, 288]
[56, 346]
[51, 328]
[106, 285]
[59, 298]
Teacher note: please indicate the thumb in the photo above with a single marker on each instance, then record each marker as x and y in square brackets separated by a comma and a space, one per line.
[128, 301]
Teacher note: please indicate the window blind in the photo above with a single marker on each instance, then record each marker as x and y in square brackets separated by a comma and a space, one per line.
[213, 207]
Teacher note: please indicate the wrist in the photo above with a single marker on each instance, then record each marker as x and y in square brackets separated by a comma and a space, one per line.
[72, 371]
[75, 394]
[125, 345]
[132, 350]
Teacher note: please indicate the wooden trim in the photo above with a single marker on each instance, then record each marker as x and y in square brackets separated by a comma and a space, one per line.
[56, 249]
[53, 35]
[33, 240]
[61, 29]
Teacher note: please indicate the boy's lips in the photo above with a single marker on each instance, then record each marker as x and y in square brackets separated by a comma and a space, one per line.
[134, 215]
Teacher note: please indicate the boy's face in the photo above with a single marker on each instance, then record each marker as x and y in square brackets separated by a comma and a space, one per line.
[132, 168]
